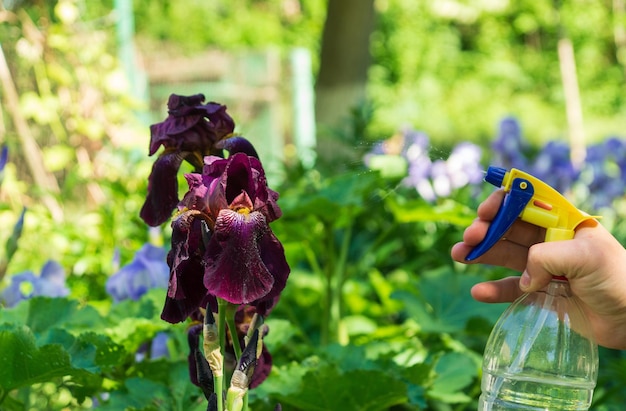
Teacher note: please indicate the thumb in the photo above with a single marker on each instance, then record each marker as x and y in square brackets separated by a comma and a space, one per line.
[546, 260]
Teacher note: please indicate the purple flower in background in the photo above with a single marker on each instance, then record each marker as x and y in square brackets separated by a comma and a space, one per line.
[464, 166]
[50, 283]
[606, 165]
[158, 347]
[222, 245]
[603, 173]
[509, 147]
[432, 179]
[147, 270]
[617, 148]
[155, 348]
[440, 178]
[553, 165]
[189, 133]
[415, 151]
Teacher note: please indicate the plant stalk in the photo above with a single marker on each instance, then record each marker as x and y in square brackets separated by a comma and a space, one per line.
[222, 307]
[339, 276]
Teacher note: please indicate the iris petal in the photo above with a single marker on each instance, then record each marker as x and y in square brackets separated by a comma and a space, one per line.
[273, 257]
[186, 127]
[162, 189]
[238, 145]
[235, 270]
[186, 291]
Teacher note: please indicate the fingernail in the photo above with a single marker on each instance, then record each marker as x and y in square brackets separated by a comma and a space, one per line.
[524, 281]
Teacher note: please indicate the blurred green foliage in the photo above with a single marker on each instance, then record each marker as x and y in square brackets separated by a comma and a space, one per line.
[453, 68]
[232, 24]
[74, 97]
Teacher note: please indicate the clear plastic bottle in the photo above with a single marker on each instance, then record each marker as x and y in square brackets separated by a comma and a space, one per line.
[540, 355]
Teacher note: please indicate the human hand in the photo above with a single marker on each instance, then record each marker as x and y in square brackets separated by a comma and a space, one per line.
[594, 262]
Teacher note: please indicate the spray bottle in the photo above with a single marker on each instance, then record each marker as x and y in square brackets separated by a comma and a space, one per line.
[541, 354]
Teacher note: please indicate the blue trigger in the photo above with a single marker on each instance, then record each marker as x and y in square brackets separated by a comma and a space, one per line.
[512, 207]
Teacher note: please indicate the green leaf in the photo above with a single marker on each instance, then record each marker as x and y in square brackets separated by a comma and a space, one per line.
[345, 193]
[139, 394]
[327, 389]
[454, 371]
[441, 302]
[11, 404]
[24, 363]
[16, 314]
[158, 385]
[89, 351]
[132, 332]
[418, 377]
[284, 380]
[348, 189]
[281, 333]
[45, 313]
[389, 165]
[419, 374]
[446, 211]
[148, 306]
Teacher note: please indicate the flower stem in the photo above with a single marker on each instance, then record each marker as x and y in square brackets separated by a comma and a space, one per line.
[232, 327]
[222, 307]
[219, 392]
[230, 310]
[328, 270]
[339, 278]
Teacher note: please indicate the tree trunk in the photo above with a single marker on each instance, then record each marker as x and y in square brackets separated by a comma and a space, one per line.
[345, 58]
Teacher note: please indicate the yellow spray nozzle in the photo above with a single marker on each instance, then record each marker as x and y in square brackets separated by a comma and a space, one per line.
[533, 201]
[547, 208]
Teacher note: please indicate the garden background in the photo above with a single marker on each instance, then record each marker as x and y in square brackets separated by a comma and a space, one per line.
[374, 118]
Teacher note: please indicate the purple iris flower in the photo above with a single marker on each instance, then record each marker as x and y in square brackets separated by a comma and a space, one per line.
[440, 178]
[156, 348]
[189, 133]
[553, 165]
[415, 151]
[147, 270]
[509, 146]
[608, 171]
[222, 245]
[464, 166]
[617, 148]
[50, 283]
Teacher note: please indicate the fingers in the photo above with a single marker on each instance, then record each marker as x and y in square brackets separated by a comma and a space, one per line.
[545, 261]
[504, 253]
[588, 253]
[499, 291]
[488, 209]
[512, 251]
[521, 232]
